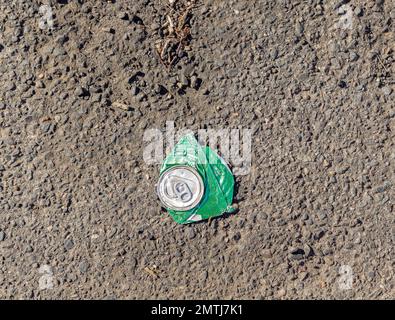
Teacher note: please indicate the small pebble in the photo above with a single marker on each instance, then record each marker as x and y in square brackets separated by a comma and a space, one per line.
[194, 82]
[135, 90]
[281, 293]
[10, 86]
[159, 89]
[191, 233]
[353, 56]
[133, 263]
[123, 15]
[68, 244]
[184, 80]
[387, 91]
[79, 91]
[319, 234]
[274, 54]
[83, 267]
[299, 29]
[358, 11]
[308, 251]
[237, 236]
[342, 84]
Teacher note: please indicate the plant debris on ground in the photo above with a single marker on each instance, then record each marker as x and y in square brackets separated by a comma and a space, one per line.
[175, 32]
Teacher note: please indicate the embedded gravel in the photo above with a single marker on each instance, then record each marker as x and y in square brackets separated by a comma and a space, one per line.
[314, 81]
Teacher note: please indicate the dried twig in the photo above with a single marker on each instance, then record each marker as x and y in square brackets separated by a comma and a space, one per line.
[151, 272]
[177, 32]
[120, 105]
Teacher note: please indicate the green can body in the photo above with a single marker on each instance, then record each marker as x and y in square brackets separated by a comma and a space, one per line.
[216, 178]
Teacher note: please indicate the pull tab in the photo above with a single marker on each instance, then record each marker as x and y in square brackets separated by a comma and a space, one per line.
[178, 190]
[182, 191]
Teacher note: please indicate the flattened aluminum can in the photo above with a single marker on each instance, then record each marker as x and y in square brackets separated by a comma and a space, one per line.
[180, 188]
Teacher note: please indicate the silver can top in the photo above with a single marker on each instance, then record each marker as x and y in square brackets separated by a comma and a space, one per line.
[180, 188]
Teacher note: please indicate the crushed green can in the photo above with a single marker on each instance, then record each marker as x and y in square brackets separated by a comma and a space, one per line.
[195, 183]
